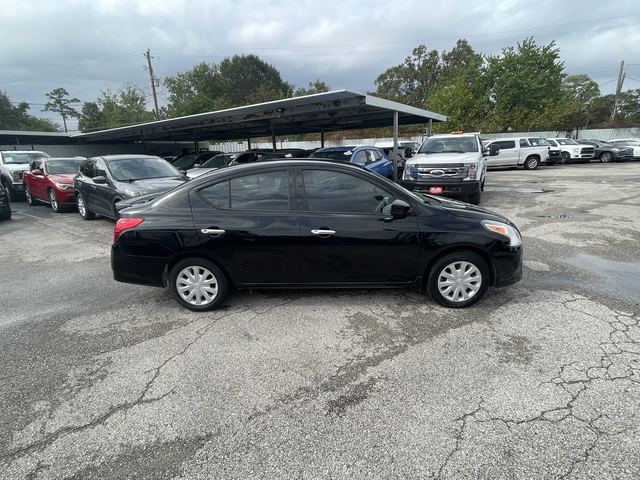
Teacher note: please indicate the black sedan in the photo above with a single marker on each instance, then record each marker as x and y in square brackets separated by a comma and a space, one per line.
[105, 181]
[311, 223]
[606, 152]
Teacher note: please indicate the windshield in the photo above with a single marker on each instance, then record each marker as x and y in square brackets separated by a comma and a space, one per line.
[185, 162]
[219, 161]
[606, 144]
[343, 155]
[566, 141]
[21, 157]
[129, 169]
[64, 165]
[449, 145]
[412, 145]
[538, 142]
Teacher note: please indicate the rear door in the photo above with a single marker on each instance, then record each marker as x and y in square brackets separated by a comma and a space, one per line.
[344, 236]
[249, 224]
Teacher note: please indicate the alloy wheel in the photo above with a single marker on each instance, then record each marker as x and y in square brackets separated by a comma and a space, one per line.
[53, 200]
[27, 194]
[606, 157]
[81, 208]
[459, 281]
[197, 285]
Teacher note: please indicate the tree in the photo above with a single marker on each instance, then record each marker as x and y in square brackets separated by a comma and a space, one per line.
[59, 103]
[194, 91]
[412, 80]
[629, 106]
[314, 87]
[91, 117]
[581, 91]
[461, 89]
[525, 86]
[17, 117]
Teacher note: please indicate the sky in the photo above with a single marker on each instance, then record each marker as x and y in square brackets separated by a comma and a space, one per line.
[89, 46]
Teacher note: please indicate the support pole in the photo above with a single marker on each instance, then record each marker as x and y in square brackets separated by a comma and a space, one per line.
[430, 127]
[322, 138]
[395, 146]
[273, 137]
[195, 144]
[248, 143]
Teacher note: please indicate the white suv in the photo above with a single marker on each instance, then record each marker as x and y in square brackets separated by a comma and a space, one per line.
[572, 151]
[13, 163]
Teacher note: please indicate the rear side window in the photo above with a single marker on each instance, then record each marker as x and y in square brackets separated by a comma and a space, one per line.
[505, 144]
[217, 195]
[261, 191]
[328, 191]
[523, 143]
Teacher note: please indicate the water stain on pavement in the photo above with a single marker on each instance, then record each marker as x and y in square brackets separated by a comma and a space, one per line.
[620, 279]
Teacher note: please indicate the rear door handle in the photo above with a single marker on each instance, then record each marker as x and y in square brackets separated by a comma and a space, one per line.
[213, 232]
[323, 232]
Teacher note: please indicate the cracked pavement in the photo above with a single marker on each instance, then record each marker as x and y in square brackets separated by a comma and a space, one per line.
[540, 380]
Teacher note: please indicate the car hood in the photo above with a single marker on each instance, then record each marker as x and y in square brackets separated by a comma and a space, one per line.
[16, 167]
[62, 177]
[462, 209]
[443, 158]
[196, 172]
[150, 185]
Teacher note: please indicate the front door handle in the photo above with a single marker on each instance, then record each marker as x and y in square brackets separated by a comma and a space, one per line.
[213, 232]
[323, 232]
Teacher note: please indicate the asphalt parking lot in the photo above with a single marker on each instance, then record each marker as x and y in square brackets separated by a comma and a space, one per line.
[540, 380]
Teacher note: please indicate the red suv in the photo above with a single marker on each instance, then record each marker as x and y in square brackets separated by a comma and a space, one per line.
[50, 180]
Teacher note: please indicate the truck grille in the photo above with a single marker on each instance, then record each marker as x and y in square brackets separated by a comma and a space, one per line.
[587, 152]
[453, 170]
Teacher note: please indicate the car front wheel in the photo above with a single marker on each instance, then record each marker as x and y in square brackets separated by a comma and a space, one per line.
[606, 157]
[84, 211]
[198, 284]
[458, 279]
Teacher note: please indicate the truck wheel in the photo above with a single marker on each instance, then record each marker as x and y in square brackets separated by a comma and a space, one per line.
[566, 157]
[531, 163]
[474, 198]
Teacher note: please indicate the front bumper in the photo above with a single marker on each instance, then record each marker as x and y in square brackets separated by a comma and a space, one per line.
[450, 186]
[65, 197]
[508, 267]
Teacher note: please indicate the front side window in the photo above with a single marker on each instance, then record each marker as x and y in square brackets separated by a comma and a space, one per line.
[523, 143]
[538, 142]
[101, 169]
[328, 191]
[260, 191]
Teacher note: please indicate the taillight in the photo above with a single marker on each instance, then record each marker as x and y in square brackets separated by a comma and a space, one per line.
[125, 224]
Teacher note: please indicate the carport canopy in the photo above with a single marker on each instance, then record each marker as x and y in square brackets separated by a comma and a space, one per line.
[323, 112]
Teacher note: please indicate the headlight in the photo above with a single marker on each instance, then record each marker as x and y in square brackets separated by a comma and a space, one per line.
[515, 240]
[406, 173]
[134, 193]
[472, 171]
[62, 186]
[17, 176]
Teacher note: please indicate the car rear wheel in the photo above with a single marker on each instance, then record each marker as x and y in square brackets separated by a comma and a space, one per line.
[84, 210]
[198, 284]
[27, 195]
[531, 163]
[458, 279]
[606, 157]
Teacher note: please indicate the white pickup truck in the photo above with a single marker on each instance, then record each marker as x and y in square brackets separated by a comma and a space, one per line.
[453, 165]
[527, 152]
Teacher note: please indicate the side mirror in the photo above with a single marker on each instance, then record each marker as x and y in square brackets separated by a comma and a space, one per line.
[396, 209]
[184, 172]
[100, 180]
[494, 150]
[37, 171]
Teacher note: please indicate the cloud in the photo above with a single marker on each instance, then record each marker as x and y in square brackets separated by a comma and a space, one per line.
[88, 46]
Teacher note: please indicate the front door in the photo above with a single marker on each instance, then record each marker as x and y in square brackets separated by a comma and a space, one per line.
[508, 154]
[345, 237]
[37, 183]
[249, 224]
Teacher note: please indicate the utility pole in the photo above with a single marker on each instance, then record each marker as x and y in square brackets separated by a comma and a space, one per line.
[156, 112]
[621, 76]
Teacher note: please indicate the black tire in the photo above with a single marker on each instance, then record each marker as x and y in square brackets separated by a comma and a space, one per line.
[53, 201]
[6, 214]
[28, 197]
[531, 163]
[606, 157]
[566, 157]
[474, 198]
[8, 189]
[220, 281]
[83, 210]
[446, 261]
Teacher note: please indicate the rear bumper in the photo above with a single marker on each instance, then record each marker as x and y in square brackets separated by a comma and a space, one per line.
[450, 186]
[136, 269]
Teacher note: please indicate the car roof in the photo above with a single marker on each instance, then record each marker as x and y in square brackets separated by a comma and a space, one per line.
[109, 158]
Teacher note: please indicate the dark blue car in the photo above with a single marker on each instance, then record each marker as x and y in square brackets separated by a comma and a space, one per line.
[371, 158]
